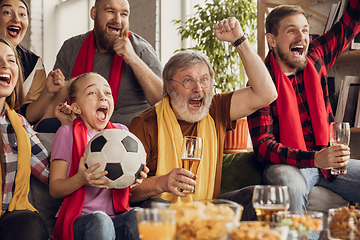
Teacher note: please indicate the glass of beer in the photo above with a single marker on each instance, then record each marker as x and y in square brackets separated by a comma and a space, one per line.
[268, 200]
[156, 223]
[339, 134]
[191, 154]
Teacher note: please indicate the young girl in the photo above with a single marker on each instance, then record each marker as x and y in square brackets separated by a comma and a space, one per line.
[90, 210]
[22, 153]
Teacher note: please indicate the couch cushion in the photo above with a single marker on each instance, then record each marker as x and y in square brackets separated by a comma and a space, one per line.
[39, 195]
[40, 198]
[240, 170]
[46, 139]
[322, 199]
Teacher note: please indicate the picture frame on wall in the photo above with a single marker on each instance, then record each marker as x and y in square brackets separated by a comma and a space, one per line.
[355, 43]
[348, 106]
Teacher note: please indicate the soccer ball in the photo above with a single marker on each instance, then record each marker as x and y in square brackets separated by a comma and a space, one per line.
[120, 153]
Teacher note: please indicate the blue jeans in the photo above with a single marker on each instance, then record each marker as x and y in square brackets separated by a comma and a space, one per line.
[301, 181]
[98, 225]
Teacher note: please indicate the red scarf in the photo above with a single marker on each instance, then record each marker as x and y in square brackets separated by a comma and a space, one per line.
[72, 204]
[85, 63]
[290, 128]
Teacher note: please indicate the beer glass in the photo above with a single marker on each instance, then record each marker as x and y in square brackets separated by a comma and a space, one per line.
[268, 200]
[339, 134]
[191, 154]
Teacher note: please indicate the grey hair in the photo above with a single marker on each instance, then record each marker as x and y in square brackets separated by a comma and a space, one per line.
[184, 60]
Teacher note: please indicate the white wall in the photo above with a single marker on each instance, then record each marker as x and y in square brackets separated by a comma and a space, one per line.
[169, 39]
[61, 21]
[35, 42]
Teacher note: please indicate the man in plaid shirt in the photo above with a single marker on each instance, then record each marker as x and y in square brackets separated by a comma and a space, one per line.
[292, 133]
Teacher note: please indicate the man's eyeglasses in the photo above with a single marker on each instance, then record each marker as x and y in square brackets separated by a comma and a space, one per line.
[190, 83]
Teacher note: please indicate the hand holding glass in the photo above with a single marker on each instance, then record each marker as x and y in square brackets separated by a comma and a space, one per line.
[339, 134]
[268, 200]
[191, 154]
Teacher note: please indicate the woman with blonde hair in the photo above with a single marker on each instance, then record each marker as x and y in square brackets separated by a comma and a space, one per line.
[21, 154]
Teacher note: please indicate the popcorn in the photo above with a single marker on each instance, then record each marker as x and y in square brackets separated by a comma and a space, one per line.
[254, 231]
[202, 220]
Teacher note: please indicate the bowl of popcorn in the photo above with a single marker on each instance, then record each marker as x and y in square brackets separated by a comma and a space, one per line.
[344, 223]
[302, 225]
[257, 230]
[205, 220]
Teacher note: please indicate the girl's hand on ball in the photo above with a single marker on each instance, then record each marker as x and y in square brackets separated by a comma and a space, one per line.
[143, 175]
[88, 178]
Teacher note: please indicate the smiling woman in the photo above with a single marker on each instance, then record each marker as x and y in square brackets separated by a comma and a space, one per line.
[14, 21]
[19, 219]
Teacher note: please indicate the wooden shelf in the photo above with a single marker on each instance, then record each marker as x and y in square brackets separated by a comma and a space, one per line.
[289, 2]
[349, 56]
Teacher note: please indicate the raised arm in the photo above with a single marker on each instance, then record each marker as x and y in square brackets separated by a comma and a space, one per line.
[54, 82]
[262, 90]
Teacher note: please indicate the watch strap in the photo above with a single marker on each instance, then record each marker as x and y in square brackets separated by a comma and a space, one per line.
[240, 40]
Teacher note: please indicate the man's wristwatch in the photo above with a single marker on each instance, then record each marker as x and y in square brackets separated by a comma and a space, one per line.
[240, 40]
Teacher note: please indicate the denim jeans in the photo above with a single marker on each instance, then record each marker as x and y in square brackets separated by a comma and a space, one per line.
[98, 225]
[301, 181]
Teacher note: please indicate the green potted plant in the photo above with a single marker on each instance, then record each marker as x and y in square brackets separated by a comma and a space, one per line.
[223, 56]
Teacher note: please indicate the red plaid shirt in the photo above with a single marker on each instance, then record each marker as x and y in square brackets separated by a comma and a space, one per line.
[264, 123]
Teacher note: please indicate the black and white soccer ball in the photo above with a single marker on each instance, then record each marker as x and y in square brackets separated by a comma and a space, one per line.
[120, 153]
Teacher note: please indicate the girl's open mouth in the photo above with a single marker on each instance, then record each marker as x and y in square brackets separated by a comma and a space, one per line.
[101, 113]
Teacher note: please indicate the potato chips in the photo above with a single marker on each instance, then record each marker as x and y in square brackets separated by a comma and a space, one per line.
[202, 220]
[254, 231]
[344, 223]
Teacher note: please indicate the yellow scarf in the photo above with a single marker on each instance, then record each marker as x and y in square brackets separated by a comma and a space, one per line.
[169, 156]
[20, 200]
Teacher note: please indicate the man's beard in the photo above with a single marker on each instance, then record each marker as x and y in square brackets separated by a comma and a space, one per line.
[105, 40]
[297, 64]
[180, 106]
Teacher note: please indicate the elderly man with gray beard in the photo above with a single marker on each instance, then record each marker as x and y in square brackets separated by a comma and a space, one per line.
[190, 108]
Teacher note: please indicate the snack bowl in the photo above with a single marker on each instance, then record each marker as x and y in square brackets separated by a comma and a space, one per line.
[256, 230]
[302, 225]
[344, 223]
[204, 220]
